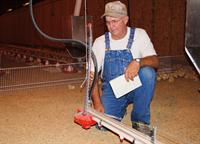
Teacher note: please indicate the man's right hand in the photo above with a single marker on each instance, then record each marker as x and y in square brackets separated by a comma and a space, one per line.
[98, 107]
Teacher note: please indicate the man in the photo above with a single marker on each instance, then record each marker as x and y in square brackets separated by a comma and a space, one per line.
[128, 51]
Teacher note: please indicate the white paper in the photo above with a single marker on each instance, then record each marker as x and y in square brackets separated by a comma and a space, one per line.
[121, 86]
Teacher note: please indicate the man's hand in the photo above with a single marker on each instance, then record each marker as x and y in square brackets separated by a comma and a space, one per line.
[98, 107]
[132, 70]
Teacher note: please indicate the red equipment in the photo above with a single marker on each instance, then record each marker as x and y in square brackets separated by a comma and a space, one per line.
[84, 119]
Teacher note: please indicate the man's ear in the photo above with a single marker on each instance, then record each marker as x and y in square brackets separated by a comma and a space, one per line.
[125, 20]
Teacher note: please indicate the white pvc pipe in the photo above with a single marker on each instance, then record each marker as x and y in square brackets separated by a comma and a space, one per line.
[77, 7]
[124, 131]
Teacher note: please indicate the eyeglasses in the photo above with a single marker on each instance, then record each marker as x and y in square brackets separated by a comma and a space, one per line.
[113, 22]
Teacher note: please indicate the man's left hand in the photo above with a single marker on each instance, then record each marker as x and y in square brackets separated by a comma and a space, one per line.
[132, 70]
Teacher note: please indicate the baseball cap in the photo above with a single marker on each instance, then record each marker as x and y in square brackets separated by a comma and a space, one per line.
[115, 9]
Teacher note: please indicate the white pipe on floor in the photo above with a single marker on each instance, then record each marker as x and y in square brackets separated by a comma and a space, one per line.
[124, 132]
[77, 7]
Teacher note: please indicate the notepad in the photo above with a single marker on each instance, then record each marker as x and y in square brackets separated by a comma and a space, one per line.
[121, 86]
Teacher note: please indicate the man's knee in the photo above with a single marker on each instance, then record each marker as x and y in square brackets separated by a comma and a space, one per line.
[148, 73]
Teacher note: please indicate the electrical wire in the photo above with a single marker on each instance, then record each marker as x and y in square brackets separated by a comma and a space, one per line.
[58, 40]
[65, 41]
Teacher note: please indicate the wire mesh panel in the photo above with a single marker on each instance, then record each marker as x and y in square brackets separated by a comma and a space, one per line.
[37, 76]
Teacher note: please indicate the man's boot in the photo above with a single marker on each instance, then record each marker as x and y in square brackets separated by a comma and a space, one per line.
[143, 128]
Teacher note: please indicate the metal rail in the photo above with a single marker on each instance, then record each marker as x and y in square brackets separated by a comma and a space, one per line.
[124, 131]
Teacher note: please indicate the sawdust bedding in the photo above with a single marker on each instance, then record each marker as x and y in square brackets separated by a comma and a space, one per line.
[45, 115]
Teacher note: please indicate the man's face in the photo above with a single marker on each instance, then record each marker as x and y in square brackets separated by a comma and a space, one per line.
[117, 26]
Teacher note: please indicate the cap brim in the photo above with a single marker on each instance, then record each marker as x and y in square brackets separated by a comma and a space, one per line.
[112, 15]
[103, 15]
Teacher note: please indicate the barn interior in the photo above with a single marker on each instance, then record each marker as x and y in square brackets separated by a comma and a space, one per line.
[41, 79]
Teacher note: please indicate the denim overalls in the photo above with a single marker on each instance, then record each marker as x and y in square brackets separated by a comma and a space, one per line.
[115, 62]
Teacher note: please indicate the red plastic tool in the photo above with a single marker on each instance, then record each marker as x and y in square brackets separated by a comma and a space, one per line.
[84, 119]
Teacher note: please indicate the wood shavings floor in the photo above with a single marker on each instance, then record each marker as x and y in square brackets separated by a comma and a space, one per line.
[45, 115]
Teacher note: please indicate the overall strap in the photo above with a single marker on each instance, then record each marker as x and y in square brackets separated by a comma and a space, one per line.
[131, 38]
[107, 41]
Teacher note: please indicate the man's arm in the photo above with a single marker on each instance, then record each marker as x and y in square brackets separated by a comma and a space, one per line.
[151, 61]
[96, 95]
[134, 66]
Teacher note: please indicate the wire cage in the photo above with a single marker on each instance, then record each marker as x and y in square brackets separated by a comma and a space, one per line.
[20, 72]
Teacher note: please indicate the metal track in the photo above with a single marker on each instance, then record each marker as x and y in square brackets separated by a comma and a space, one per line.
[122, 130]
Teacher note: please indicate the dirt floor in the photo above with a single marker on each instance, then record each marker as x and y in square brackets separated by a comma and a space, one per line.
[45, 115]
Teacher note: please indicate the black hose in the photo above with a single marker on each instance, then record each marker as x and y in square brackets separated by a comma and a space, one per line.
[66, 41]
[95, 75]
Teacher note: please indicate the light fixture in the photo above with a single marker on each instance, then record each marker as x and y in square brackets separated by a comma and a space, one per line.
[9, 10]
[25, 4]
